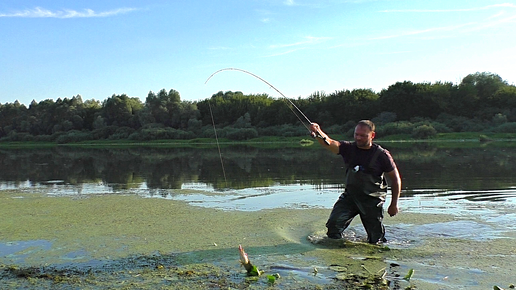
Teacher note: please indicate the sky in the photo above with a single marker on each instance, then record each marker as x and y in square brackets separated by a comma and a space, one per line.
[97, 48]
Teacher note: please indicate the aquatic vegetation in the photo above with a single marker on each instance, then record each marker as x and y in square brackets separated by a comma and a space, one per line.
[83, 256]
[272, 278]
[157, 272]
[499, 288]
[306, 142]
[244, 260]
[484, 138]
[409, 275]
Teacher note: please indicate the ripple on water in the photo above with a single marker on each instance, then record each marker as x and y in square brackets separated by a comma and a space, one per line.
[461, 229]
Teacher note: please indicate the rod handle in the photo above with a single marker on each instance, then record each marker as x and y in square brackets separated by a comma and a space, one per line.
[318, 135]
[324, 138]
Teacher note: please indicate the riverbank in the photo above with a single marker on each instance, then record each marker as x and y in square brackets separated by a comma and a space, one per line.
[443, 139]
[126, 241]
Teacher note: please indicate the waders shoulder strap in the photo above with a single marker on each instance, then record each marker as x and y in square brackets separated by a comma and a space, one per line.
[352, 156]
[375, 156]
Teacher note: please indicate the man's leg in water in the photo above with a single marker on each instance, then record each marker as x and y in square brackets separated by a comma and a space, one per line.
[372, 219]
[344, 210]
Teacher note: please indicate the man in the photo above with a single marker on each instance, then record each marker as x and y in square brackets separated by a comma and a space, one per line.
[366, 165]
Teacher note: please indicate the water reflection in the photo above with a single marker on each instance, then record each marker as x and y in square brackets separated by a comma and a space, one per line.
[475, 173]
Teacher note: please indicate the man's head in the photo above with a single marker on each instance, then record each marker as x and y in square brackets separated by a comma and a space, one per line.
[364, 134]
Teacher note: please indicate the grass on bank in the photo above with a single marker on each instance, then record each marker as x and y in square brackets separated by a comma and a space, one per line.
[262, 142]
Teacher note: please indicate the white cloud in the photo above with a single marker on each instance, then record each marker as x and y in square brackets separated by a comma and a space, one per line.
[284, 52]
[509, 5]
[500, 18]
[499, 14]
[495, 21]
[393, 52]
[308, 40]
[293, 47]
[289, 2]
[219, 48]
[39, 12]
[423, 31]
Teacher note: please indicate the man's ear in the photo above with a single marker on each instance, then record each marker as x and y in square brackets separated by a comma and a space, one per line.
[373, 134]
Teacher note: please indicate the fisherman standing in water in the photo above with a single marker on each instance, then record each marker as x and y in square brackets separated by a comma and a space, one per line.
[366, 188]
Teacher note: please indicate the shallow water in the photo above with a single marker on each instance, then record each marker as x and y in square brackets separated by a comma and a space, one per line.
[475, 185]
[16, 251]
[464, 199]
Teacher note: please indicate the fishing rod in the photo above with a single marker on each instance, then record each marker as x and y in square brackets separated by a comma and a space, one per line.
[285, 99]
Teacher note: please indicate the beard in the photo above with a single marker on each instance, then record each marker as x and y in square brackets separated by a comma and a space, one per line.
[362, 143]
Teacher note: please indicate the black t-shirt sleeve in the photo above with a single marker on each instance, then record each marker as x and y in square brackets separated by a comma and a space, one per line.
[344, 148]
[387, 162]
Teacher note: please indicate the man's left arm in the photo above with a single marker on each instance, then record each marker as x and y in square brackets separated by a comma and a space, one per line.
[395, 180]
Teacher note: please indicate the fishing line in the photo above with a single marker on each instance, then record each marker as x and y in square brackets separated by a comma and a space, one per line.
[285, 99]
[218, 146]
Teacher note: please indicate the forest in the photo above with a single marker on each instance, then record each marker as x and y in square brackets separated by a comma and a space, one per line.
[481, 102]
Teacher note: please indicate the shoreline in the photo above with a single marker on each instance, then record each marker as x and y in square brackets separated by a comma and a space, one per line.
[269, 141]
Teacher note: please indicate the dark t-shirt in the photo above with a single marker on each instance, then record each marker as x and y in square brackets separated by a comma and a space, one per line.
[354, 156]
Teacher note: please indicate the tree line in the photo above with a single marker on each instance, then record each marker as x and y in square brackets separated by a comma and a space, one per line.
[480, 102]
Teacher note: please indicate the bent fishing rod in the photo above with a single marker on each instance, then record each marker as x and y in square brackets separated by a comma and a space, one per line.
[285, 99]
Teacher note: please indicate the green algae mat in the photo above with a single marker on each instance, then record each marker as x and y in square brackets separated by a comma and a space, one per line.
[130, 242]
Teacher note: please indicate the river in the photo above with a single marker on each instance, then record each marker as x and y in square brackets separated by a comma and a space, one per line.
[472, 183]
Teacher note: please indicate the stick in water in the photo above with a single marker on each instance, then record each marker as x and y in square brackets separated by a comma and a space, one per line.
[244, 260]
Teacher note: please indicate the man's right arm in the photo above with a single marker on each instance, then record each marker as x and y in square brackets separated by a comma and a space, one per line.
[395, 180]
[324, 139]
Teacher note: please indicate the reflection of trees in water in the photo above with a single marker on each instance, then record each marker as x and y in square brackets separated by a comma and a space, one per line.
[243, 158]
[457, 168]
[421, 166]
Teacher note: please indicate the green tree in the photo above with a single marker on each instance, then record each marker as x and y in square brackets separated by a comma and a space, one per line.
[229, 106]
[92, 109]
[11, 118]
[504, 97]
[244, 121]
[434, 99]
[486, 84]
[363, 104]
[121, 110]
[402, 99]
[41, 117]
[163, 108]
[474, 97]
[188, 111]
[424, 132]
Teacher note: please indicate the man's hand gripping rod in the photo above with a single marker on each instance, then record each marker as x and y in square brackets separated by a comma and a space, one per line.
[319, 135]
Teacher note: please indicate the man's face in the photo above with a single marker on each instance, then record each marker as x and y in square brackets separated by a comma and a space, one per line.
[364, 136]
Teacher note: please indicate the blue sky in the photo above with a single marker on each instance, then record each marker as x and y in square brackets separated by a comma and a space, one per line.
[56, 49]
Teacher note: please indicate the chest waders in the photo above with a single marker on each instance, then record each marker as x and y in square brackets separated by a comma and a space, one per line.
[364, 196]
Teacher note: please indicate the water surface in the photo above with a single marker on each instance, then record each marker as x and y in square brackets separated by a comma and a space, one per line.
[473, 186]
